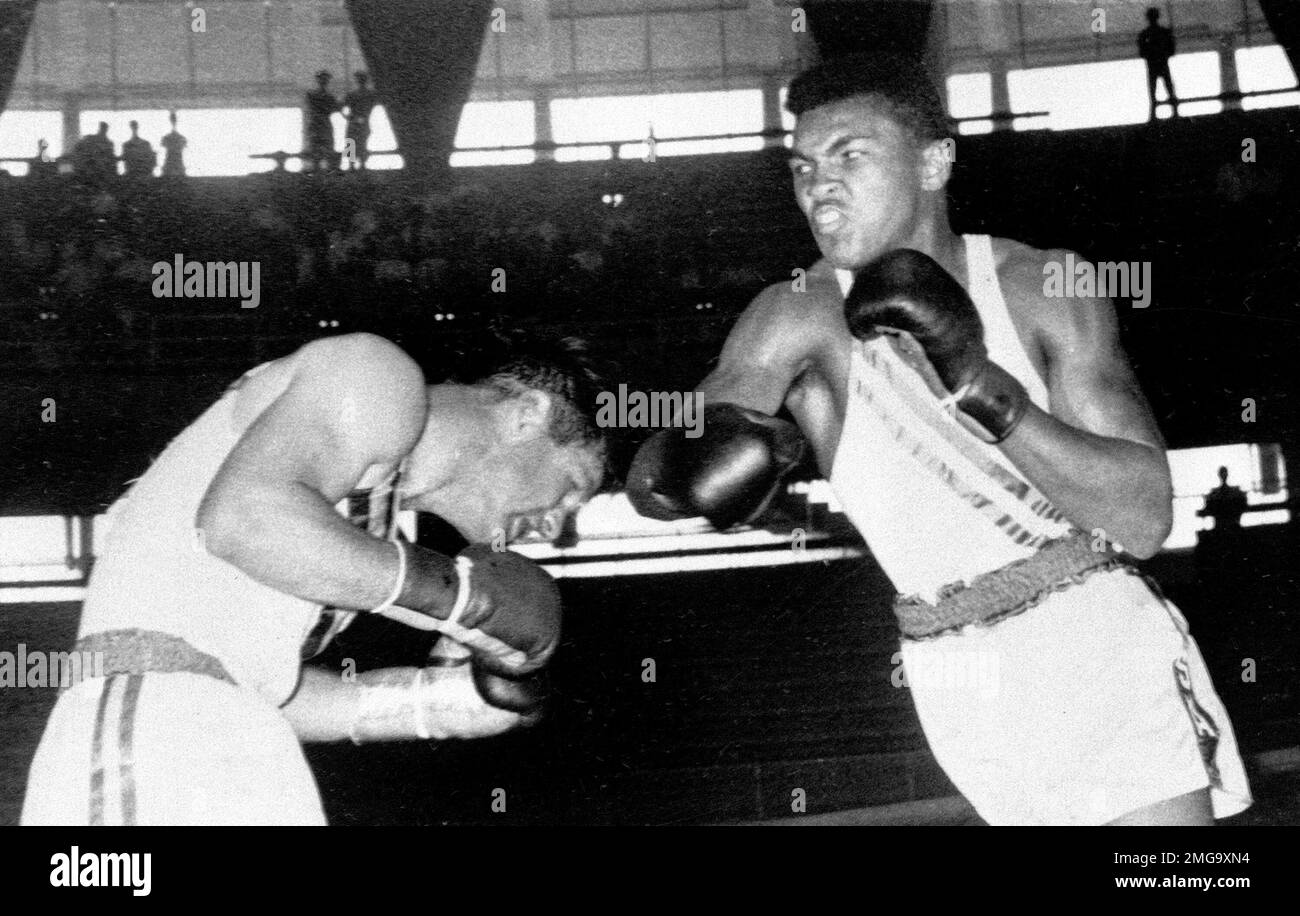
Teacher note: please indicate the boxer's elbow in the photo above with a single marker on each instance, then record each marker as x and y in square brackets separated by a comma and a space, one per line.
[1147, 539]
[1153, 519]
[226, 527]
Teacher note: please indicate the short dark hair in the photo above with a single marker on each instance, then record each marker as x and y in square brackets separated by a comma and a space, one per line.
[900, 81]
[563, 367]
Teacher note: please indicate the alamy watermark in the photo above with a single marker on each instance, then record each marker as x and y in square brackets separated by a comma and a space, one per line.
[1110, 279]
[651, 409]
[48, 669]
[182, 279]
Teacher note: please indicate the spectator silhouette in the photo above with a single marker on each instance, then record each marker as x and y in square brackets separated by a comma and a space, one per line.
[93, 158]
[138, 156]
[1156, 46]
[359, 103]
[1225, 504]
[319, 145]
[41, 166]
[173, 145]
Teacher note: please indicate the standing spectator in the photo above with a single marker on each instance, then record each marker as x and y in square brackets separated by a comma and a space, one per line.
[138, 155]
[41, 166]
[319, 145]
[173, 145]
[359, 103]
[93, 158]
[1156, 46]
[1225, 504]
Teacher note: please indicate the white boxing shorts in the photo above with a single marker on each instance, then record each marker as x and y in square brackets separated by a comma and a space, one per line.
[177, 748]
[1087, 707]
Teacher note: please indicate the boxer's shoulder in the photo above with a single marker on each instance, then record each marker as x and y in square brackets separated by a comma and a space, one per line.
[808, 306]
[1051, 321]
[362, 382]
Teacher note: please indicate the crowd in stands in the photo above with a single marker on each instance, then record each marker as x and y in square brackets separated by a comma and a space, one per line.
[361, 250]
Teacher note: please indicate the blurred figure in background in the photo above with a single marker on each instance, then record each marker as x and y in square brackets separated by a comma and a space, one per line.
[358, 104]
[1156, 46]
[319, 144]
[138, 156]
[173, 145]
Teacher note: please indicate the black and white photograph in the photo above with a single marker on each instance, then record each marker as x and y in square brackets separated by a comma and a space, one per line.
[651, 413]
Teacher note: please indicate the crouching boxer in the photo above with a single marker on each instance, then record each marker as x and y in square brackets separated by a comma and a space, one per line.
[997, 455]
[258, 535]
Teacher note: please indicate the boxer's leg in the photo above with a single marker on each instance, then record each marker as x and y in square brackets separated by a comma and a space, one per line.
[183, 749]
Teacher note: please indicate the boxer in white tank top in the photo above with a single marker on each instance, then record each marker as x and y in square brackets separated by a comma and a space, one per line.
[258, 534]
[1054, 685]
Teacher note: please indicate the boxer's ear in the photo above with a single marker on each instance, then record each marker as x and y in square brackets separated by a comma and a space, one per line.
[527, 415]
[936, 163]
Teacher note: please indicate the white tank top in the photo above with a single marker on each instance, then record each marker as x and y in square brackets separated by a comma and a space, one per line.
[154, 573]
[936, 505]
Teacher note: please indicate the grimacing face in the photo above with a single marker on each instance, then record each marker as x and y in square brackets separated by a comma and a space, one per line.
[507, 489]
[858, 177]
[537, 486]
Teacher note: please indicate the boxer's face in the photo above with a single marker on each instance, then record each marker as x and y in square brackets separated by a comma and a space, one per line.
[858, 179]
[511, 480]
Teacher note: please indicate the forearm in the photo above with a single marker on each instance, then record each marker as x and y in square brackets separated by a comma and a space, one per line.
[291, 539]
[398, 704]
[325, 705]
[1117, 485]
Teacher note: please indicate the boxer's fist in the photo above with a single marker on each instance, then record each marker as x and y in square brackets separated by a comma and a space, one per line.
[501, 605]
[728, 474]
[905, 290]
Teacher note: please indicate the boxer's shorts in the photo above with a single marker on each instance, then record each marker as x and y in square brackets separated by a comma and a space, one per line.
[177, 748]
[1087, 707]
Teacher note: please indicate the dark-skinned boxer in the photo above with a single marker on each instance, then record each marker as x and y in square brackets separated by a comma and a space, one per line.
[994, 450]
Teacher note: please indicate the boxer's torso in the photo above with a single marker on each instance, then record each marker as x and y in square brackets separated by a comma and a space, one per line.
[154, 573]
[924, 532]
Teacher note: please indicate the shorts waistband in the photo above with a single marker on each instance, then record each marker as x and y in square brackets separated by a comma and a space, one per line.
[1008, 591]
[150, 652]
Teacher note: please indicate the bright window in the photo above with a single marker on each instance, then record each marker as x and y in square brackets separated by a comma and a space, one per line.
[1195, 74]
[219, 140]
[1080, 95]
[1266, 68]
[495, 124]
[1257, 469]
[632, 118]
[21, 130]
[970, 95]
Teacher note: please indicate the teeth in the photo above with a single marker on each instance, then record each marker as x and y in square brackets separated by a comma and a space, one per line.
[827, 216]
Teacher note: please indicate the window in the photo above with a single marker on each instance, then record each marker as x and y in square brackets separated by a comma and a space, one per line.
[21, 130]
[1194, 74]
[219, 140]
[1266, 68]
[598, 121]
[495, 124]
[970, 95]
[1257, 469]
[1080, 95]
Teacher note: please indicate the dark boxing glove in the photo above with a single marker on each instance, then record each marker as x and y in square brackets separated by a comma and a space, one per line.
[502, 606]
[905, 290]
[728, 474]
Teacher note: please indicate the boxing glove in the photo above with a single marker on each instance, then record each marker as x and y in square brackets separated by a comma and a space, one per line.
[728, 474]
[502, 606]
[905, 290]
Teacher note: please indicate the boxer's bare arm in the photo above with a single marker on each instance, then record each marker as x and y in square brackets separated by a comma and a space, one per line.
[775, 340]
[354, 402]
[325, 705]
[1098, 455]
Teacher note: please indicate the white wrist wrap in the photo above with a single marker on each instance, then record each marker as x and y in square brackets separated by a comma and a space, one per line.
[463, 567]
[399, 584]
